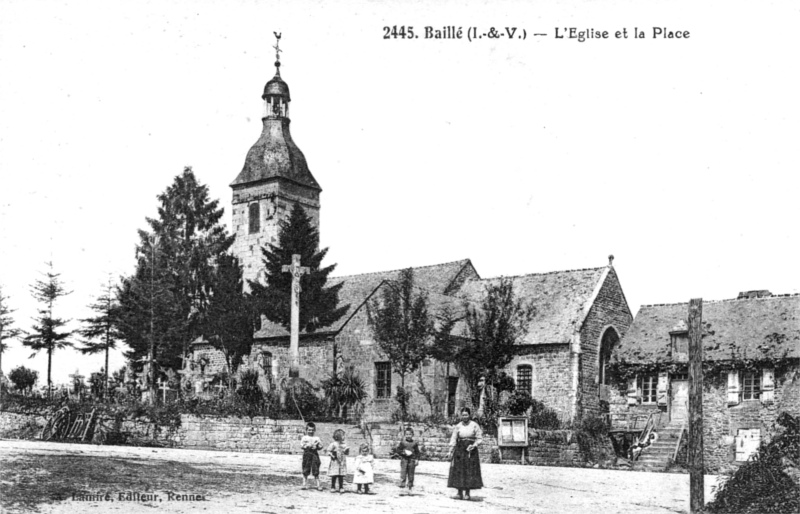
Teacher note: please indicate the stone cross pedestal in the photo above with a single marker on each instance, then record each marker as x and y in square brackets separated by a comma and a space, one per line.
[294, 337]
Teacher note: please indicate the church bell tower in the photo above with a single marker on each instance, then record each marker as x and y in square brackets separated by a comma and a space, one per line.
[275, 176]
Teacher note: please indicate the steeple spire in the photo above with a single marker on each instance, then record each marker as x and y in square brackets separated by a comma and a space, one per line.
[276, 92]
[277, 54]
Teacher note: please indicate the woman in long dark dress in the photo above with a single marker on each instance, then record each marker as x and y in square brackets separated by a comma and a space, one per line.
[465, 463]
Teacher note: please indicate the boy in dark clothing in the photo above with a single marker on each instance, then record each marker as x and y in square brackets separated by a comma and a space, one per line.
[408, 450]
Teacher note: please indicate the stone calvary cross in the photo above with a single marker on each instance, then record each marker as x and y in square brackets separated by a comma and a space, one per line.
[294, 338]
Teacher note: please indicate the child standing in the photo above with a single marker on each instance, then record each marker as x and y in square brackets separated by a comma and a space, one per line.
[364, 474]
[311, 446]
[338, 466]
[408, 450]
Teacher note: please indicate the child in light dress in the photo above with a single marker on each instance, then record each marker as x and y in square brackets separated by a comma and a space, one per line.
[364, 475]
[338, 466]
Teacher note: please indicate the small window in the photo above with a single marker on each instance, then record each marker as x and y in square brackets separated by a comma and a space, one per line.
[751, 387]
[383, 380]
[649, 389]
[266, 365]
[525, 378]
[254, 218]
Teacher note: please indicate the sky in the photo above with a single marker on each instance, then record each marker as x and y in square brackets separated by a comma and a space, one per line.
[525, 155]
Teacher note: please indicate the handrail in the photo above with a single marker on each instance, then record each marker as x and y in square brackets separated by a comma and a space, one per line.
[678, 445]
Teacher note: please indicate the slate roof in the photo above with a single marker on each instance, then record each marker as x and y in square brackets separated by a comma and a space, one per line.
[560, 298]
[435, 279]
[747, 328]
[275, 155]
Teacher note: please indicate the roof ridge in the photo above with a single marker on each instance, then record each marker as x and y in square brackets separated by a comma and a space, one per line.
[544, 273]
[726, 300]
[401, 269]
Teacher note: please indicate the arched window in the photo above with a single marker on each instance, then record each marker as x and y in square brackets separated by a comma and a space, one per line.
[607, 342]
[525, 378]
[254, 218]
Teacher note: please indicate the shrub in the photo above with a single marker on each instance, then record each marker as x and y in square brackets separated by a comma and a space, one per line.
[543, 418]
[23, 378]
[519, 403]
[760, 484]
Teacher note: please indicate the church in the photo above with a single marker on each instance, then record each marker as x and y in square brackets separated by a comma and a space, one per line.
[579, 314]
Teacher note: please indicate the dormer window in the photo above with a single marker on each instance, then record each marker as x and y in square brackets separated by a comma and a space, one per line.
[679, 342]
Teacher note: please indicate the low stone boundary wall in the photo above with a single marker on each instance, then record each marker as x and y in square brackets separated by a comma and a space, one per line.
[545, 448]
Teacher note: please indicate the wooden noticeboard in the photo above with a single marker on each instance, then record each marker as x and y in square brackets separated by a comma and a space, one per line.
[512, 431]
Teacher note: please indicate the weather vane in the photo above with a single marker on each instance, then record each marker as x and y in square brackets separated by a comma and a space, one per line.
[277, 46]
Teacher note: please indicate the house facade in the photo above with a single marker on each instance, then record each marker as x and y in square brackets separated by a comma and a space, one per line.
[751, 360]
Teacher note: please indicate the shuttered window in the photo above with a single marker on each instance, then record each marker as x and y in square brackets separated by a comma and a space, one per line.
[751, 385]
[649, 389]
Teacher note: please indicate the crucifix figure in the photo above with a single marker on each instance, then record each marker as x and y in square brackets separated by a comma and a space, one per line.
[297, 271]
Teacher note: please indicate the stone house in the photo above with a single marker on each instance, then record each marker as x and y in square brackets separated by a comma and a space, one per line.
[751, 357]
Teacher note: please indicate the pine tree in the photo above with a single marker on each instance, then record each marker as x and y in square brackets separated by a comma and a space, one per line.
[45, 333]
[149, 319]
[318, 304]
[163, 303]
[101, 332]
[7, 331]
[230, 323]
[402, 328]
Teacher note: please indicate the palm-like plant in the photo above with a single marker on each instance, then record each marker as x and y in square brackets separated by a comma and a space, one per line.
[344, 390]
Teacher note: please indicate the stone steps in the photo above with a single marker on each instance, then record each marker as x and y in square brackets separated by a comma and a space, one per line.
[657, 456]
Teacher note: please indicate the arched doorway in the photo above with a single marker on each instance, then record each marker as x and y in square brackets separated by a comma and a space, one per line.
[609, 339]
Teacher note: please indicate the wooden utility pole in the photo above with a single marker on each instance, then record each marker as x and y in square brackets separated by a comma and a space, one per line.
[696, 468]
[294, 337]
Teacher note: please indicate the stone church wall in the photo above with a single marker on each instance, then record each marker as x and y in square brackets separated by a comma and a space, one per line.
[552, 382]
[609, 309]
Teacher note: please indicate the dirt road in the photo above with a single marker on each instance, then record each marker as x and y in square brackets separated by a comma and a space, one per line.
[66, 478]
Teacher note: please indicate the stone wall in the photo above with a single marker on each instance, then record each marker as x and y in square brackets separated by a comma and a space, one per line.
[551, 378]
[610, 309]
[262, 435]
[275, 199]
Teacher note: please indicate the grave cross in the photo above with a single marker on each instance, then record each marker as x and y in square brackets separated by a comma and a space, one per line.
[164, 386]
[297, 271]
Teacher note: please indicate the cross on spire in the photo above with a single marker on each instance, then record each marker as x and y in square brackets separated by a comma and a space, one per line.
[277, 51]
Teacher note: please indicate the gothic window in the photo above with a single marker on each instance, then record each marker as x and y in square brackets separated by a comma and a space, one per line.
[383, 379]
[254, 218]
[649, 388]
[751, 389]
[525, 378]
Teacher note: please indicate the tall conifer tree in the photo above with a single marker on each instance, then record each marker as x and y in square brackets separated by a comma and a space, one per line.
[101, 332]
[164, 301]
[230, 323]
[318, 304]
[7, 331]
[46, 333]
